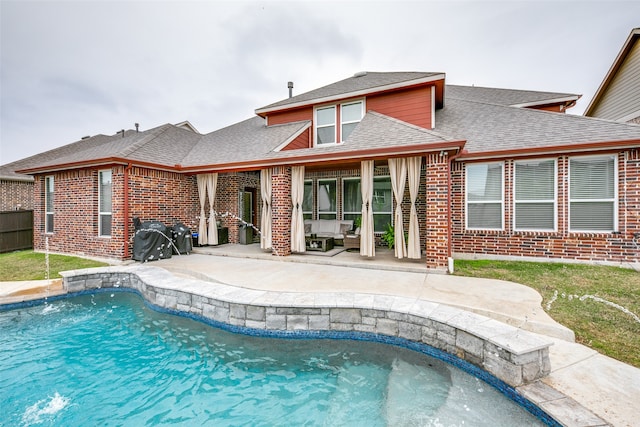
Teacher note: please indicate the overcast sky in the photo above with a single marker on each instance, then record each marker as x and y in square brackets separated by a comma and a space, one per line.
[70, 69]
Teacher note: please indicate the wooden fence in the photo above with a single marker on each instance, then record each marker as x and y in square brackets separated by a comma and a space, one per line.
[16, 230]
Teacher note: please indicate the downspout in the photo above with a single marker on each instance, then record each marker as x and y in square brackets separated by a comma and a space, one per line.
[127, 169]
[449, 220]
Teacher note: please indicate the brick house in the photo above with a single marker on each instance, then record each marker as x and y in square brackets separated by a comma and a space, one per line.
[491, 173]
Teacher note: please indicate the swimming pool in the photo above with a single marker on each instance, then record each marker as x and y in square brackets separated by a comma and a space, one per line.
[108, 359]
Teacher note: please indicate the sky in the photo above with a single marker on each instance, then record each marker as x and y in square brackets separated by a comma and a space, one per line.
[70, 69]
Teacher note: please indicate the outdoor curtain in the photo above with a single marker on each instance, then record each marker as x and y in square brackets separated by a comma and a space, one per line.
[367, 239]
[398, 172]
[297, 219]
[202, 193]
[265, 218]
[413, 170]
[212, 183]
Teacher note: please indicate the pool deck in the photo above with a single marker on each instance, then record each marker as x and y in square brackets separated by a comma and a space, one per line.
[609, 389]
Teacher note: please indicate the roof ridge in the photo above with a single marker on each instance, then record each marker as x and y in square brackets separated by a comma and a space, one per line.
[144, 140]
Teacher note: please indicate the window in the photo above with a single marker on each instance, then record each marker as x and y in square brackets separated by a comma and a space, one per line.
[307, 201]
[484, 188]
[535, 195]
[48, 204]
[326, 125]
[350, 116]
[327, 200]
[382, 203]
[592, 194]
[351, 198]
[104, 203]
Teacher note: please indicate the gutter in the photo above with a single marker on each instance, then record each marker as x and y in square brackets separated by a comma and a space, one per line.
[127, 169]
[449, 213]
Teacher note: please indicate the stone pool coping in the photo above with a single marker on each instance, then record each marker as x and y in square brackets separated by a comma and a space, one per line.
[516, 358]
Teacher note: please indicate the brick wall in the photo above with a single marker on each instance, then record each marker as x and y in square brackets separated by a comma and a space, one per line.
[16, 195]
[437, 214]
[229, 193]
[562, 244]
[153, 195]
[75, 207]
[281, 210]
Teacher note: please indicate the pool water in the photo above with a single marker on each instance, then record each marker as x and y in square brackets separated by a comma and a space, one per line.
[107, 359]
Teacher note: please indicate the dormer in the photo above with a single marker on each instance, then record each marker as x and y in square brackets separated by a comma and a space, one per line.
[335, 110]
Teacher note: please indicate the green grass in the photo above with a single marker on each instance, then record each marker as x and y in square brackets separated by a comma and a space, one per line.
[30, 265]
[606, 329]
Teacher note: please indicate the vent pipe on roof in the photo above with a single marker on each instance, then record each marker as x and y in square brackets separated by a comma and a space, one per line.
[137, 127]
[122, 132]
[290, 86]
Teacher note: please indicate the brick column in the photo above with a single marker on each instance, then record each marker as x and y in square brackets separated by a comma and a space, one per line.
[281, 211]
[437, 214]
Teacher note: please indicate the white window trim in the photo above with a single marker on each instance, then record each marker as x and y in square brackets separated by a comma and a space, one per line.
[614, 200]
[555, 197]
[46, 203]
[342, 122]
[316, 127]
[466, 198]
[101, 213]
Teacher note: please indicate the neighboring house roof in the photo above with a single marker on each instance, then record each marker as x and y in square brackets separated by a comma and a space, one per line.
[8, 170]
[359, 84]
[618, 97]
[511, 97]
[497, 130]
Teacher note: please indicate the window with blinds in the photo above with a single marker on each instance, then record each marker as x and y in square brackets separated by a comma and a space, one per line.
[592, 194]
[485, 196]
[48, 204]
[535, 195]
[104, 203]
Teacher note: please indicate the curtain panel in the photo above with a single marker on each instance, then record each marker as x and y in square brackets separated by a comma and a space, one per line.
[398, 172]
[367, 238]
[265, 217]
[297, 218]
[202, 193]
[413, 169]
[212, 183]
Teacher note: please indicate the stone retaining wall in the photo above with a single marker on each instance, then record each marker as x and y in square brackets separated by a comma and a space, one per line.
[512, 355]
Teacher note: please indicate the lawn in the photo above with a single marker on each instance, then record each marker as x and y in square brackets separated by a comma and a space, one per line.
[580, 297]
[30, 265]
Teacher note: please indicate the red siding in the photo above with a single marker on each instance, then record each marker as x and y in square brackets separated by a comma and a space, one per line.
[302, 141]
[412, 106]
[290, 116]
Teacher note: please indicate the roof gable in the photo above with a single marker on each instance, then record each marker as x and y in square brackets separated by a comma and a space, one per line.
[618, 96]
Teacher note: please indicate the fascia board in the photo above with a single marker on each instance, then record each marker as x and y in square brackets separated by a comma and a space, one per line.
[550, 151]
[358, 93]
[547, 101]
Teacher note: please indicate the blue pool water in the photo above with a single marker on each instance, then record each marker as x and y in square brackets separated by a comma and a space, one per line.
[107, 359]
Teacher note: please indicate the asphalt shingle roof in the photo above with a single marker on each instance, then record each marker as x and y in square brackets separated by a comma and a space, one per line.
[483, 117]
[358, 82]
[502, 96]
[492, 127]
